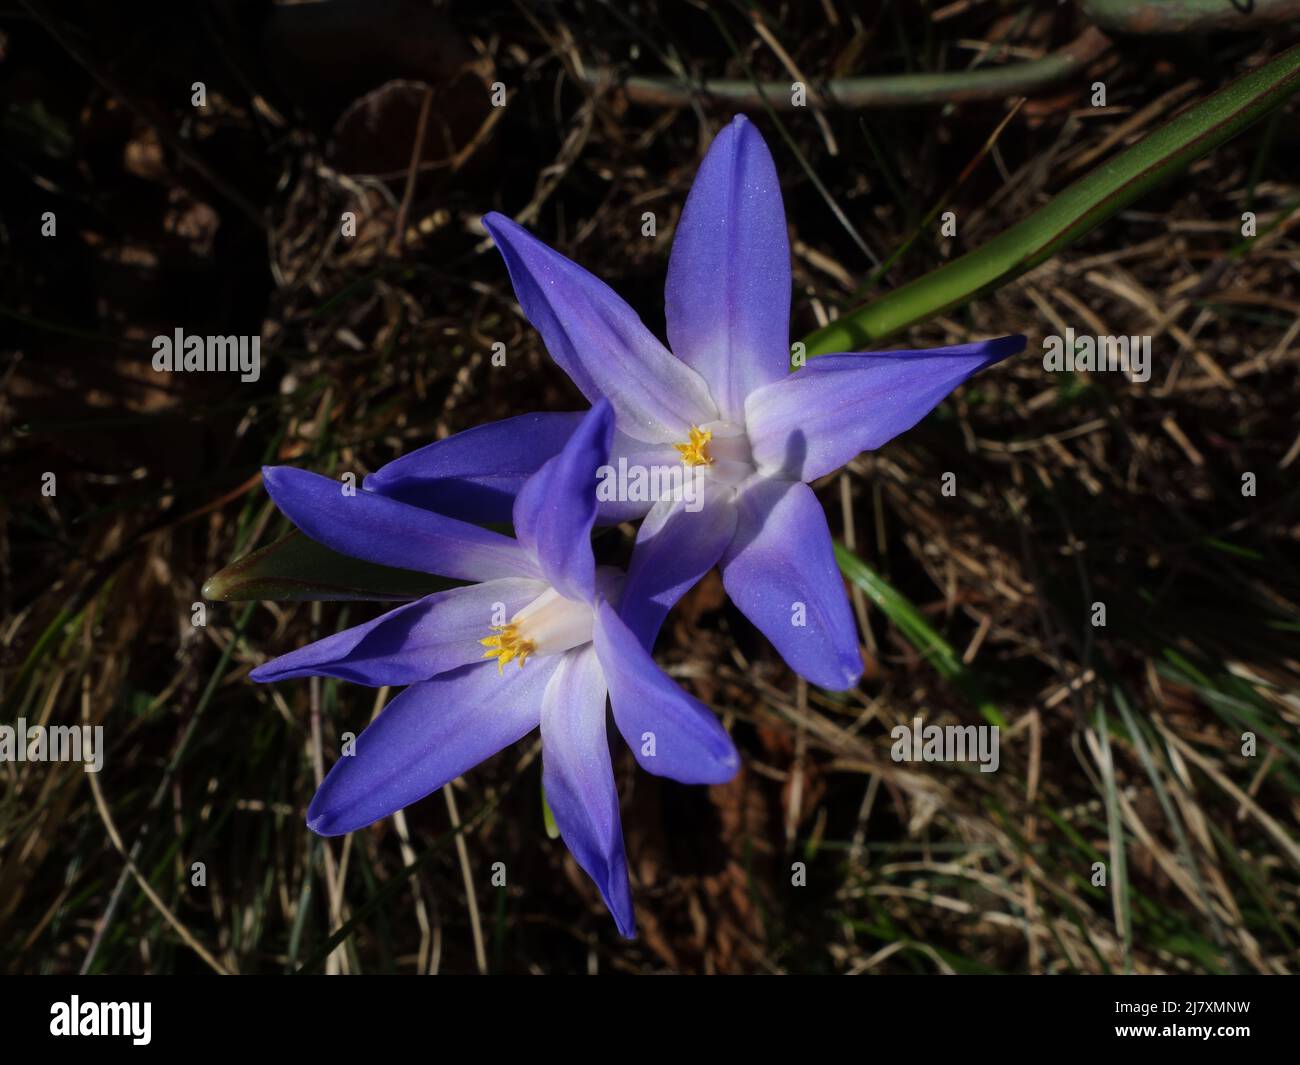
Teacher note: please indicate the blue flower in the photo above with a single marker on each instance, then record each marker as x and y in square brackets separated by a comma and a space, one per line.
[722, 402]
[555, 647]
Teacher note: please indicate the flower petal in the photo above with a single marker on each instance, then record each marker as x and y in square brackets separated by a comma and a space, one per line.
[416, 641]
[728, 293]
[820, 417]
[475, 475]
[579, 779]
[780, 571]
[429, 735]
[630, 455]
[675, 547]
[671, 733]
[599, 341]
[378, 529]
[556, 508]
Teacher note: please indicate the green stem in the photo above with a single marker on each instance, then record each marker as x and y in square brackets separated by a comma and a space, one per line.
[1083, 206]
[1187, 16]
[880, 90]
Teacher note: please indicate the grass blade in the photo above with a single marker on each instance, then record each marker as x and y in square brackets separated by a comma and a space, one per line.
[1080, 208]
[933, 647]
[296, 569]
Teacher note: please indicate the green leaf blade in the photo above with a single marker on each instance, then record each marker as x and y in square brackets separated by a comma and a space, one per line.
[1077, 210]
[918, 632]
[296, 569]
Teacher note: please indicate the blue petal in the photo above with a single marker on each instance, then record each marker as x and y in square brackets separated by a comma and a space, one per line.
[674, 549]
[728, 293]
[377, 529]
[780, 570]
[556, 508]
[817, 419]
[475, 475]
[599, 341]
[634, 454]
[579, 779]
[671, 733]
[429, 735]
[412, 643]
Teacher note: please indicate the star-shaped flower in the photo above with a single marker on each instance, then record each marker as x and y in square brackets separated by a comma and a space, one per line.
[555, 647]
[723, 401]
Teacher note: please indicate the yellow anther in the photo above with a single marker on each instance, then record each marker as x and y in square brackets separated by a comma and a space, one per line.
[694, 453]
[506, 646]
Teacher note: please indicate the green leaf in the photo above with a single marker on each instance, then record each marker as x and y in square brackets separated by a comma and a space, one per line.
[1185, 16]
[933, 647]
[1087, 203]
[296, 569]
[548, 818]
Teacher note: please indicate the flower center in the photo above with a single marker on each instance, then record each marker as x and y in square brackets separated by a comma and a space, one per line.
[695, 451]
[546, 626]
[507, 645]
[723, 449]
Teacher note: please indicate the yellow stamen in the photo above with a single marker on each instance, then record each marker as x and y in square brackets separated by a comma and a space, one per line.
[507, 646]
[694, 453]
